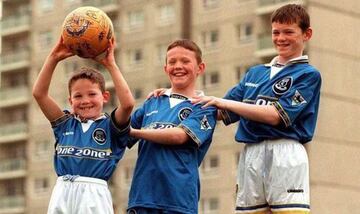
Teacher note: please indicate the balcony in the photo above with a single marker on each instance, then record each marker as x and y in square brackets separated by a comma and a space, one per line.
[14, 96]
[15, 60]
[105, 5]
[13, 132]
[268, 6]
[15, 24]
[12, 168]
[12, 204]
[265, 46]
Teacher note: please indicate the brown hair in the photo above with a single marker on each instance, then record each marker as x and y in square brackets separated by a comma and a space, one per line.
[87, 73]
[189, 45]
[292, 13]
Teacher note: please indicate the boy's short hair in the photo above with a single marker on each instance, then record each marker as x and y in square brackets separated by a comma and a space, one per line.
[189, 45]
[292, 13]
[91, 74]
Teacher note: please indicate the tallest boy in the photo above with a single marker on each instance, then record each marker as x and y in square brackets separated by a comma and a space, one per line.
[276, 105]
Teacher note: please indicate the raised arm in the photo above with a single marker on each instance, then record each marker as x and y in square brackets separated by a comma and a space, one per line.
[40, 90]
[122, 90]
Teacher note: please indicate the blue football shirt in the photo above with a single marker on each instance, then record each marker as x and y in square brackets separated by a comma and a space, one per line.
[91, 148]
[166, 176]
[294, 91]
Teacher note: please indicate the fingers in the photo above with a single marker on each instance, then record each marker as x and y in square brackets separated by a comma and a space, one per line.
[159, 92]
[151, 94]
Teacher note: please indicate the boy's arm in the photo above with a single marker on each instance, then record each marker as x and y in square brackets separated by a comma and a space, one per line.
[168, 136]
[40, 91]
[260, 113]
[122, 90]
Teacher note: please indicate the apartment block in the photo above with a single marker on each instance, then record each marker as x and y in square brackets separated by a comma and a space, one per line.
[234, 35]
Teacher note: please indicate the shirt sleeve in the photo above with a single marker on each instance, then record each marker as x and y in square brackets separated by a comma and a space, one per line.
[235, 94]
[136, 123]
[200, 124]
[300, 99]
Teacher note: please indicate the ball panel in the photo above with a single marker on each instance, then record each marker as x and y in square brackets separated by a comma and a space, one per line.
[87, 31]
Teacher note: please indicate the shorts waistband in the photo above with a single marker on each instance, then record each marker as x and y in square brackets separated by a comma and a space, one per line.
[78, 178]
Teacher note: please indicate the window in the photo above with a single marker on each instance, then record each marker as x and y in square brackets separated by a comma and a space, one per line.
[45, 39]
[166, 14]
[43, 148]
[135, 56]
[210, 163]
[136, 19]
[161, 54]
[245, 32]
[209, 206]
[240, 72]
[210, 79]
[211, 3]
[129, 171]
[41, 185]
[210, 39]
[46, 5]
[138, 93]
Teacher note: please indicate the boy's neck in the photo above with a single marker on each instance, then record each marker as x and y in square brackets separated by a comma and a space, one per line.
[284, 61]
[188, 94]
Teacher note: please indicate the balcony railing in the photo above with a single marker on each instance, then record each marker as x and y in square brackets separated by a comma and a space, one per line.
[271, 2]
[9, 94]
[17, 56]
[13, 128]
[7, 202]
[15, 164]
[99, 3]
[264, 42]
[265, 46]
[15, 22]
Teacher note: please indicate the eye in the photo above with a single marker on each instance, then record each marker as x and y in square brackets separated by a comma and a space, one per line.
[77, 96]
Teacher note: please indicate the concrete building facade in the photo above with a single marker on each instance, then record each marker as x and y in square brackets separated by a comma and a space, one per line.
[234, 35]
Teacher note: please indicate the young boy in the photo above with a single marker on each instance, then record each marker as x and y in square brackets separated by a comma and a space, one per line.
[174, 137]
[89, 144]
[276, 105]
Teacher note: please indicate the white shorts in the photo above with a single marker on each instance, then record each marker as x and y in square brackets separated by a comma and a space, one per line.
[273, 175]
[80, 195]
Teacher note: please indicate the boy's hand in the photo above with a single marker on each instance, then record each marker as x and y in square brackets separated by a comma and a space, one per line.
[156, 93]
[108, 59]
[208, 101]
[60, 51]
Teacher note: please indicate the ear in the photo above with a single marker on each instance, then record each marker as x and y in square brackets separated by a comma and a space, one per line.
[165, 66]
[70, 101]
[201, 68]
[307, 34]
[106, 95]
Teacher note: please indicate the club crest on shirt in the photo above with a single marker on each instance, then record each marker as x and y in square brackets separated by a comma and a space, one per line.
[184, 113]
[204, 124]
[297, 99]
[282, 86]
[99, 136]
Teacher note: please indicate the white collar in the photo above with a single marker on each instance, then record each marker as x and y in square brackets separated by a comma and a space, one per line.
[169, 92]
[274, 61]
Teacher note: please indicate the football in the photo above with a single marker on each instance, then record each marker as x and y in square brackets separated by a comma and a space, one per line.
[86, 31]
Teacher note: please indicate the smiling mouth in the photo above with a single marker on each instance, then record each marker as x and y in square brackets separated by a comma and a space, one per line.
[86, 108]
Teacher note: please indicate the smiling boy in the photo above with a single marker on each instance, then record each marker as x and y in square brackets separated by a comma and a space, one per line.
[174, 138]
[276, 105]
[89, 143]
